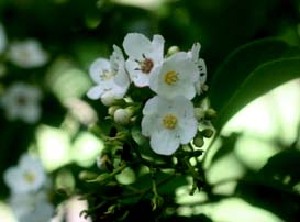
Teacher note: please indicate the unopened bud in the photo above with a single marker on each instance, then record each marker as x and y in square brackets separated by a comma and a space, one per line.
[207, 133]
[205, 88]
[123, 116]
[172, 50]
[198, 141]
[210, 114]
[112, 109]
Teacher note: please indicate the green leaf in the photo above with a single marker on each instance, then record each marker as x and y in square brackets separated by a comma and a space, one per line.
[238, 65]
[262, 79]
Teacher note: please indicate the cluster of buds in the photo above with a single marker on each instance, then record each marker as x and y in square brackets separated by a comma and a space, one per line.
[175, 79]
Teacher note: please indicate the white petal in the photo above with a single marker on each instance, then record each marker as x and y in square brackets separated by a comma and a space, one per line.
[95, 92]
[97, 67]
[149, 124]
[183, 107]
[151, 106]
[158, 45]
[135, 44]
[195, 51]
[122, 79]
[187, 129]
[164, 142]
[31, 114]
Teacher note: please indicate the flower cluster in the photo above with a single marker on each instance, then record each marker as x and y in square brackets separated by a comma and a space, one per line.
[28, 183]
[168, 118]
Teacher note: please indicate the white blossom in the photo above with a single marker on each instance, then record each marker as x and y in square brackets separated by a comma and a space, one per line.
[28, 176]
[22, 102]
[144, 56]
[27, 54]
[169, 123]
[110, 77]
[176, 77]
[31, 206]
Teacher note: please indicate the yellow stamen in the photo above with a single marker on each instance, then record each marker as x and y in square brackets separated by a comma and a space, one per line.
[170, 121]
[171, 77]
[106, 74]
[29, 177]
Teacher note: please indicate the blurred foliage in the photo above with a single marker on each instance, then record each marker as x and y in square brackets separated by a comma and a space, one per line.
[250, 47]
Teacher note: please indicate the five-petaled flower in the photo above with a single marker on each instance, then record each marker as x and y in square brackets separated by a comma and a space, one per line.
[110, 77]
[22, 102]
[169, 123]
[28, 176]
[27, 54]
[175, 77]
[144, 56]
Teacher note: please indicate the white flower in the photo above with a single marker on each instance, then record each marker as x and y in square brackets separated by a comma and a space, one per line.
[168, 123]
[194, 55]
[43, 212]
[31, 206]
[144, 56]
[21, 101]
[110, 77]
[176, 77]
[28, 176]
[27, 54]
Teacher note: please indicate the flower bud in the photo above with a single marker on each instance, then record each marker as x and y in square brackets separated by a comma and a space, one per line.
[172, 50]
[207, 133]
[122, 116]
[112, 109]
[210, 114]
[198, 141]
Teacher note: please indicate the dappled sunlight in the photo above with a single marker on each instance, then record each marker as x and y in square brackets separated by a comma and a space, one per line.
[236, 210]
[254, 151]
[265, 123]
[56, 150]
[85, 149]
[53, 146]
[224, 172]
[5, 212]
[275, 114]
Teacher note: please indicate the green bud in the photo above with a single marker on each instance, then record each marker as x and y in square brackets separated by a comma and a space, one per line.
[112, 109]
[210, 114]
[198, 141]
[207, 133]
[172, 50]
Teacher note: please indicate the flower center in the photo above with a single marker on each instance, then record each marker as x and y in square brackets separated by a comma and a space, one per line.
[29, 177]
[170, 121]
[147, 65]
[106, 74]
[21, 100]
[171, 77]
